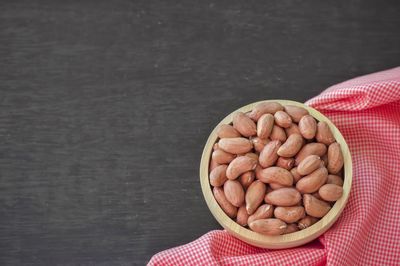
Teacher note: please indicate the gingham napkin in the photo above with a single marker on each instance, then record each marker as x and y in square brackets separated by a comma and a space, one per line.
[367, 112]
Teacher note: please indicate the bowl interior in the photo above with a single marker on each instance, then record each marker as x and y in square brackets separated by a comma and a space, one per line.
[283, 241]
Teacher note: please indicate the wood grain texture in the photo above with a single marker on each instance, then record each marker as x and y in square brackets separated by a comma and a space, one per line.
[105, 107]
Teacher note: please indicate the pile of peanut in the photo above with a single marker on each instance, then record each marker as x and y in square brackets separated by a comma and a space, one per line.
[276, 169]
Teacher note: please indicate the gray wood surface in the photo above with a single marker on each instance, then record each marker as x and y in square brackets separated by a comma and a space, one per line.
[105, 107]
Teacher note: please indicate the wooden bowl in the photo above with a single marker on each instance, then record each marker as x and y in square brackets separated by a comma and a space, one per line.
[283, 241]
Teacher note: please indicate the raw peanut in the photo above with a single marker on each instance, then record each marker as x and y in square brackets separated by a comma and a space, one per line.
[222, 157]
[235, 145]
[283, 197]
[216, 146]
[246, 179]
[264, 108]
[218, 175]
[324, 133]
[330, 192]
[293, 129]
[286, 163]
[234, 192]
[276, 186]
[276, 175]
[227, 131]
[335, 179]
[268, 155]
[315, 207]
[252, 155]
[282, 119]
[278, 134]
[309, 149]
[295, 174]
[335, 158]
[291, 228]
[295, 112]
[291, 146]
[289, 214]
[213, 165]
[309, 165]
[240, 165]
[265, 125]
[226, 206]
[308, 126]
[254, 196]
[268, 226]
[263, 212]
[244, 124]
[306, 222]
[242, 216]
[313, 181]
[259, 143]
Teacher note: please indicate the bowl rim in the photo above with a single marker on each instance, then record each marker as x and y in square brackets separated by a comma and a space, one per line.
[282, 241]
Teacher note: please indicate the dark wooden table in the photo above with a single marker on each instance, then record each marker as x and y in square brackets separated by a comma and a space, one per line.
[105, 107]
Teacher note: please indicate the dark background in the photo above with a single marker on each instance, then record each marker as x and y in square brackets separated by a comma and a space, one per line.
[105, 107]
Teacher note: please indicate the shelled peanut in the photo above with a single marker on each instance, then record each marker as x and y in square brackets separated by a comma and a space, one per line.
[276, 169]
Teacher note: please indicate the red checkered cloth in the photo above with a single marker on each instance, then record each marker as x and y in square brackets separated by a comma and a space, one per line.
[367, 112]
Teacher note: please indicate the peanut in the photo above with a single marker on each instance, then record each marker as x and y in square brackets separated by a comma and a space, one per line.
[227, 131]
[265, 125]
[335, 179]
[263, 212]
[309, 165]
[306, 222]
[246, 179]
[278, 134]
[264, 108]
[291, 146]
[254, 196]
[268, 155]
[222, 157]
[295, 112]
[228, 208]
[291, 228]
[268, 226]
[330, 192]
[240, 165]
[308, 126]
[235, 145]
[313, 181]
[335, 158]
[286, 163]
[283, 197]
[310, 149]
[242, 216]
[234, 192]
[324, 133]
[259, 143]
[277, 175]
[244, 125]
[289, 214]
[315, 207]
[218, 175]
[282, 119]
